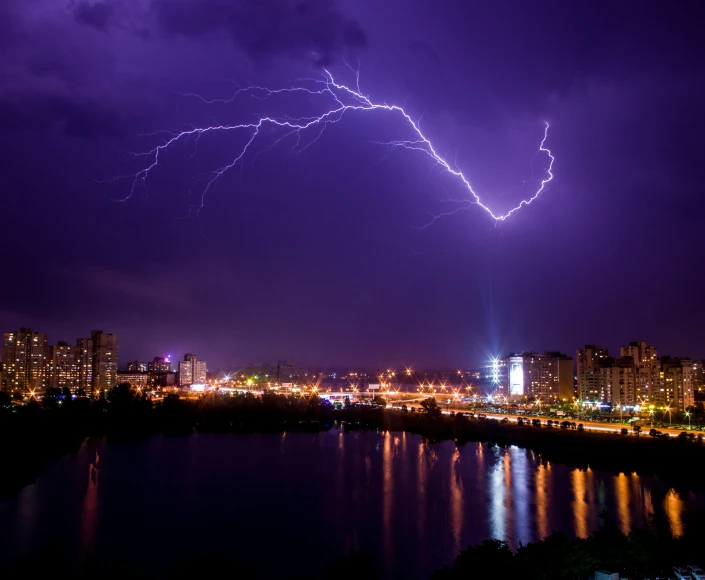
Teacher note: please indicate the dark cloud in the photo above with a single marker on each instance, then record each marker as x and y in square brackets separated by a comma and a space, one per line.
[139, 287]
[264, 28]
[52, 78]
[8, 25]
[427, 49]
[100, 15]
[74, 117]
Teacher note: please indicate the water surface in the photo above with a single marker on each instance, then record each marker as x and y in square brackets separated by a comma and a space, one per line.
[290, 503]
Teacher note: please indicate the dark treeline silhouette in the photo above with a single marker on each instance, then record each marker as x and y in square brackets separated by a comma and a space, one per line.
[47, 429]
[649, 552]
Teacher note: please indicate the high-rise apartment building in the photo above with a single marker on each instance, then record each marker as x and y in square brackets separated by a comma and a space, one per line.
[63, 368]
[642, 354]
[638, 377]
[647, 384]
[192, 370]
[590, 383]
[547, 376]
[84, 364]
[24, 356]
[200, 371]
[676, 384]
[105, 360]
[698, 375]
[617, 381]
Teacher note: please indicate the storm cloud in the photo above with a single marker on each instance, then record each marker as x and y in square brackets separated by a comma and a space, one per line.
[265, 28]
[319, 251]
[100, 15]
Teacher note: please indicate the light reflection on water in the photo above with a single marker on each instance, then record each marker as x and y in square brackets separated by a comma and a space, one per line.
[412, 504]
[673, 506]
[624, 516]
[456, 500]
[542, 491]
[89, 510]
[580, 505]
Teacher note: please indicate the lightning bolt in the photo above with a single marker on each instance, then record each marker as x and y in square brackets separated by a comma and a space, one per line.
[341, 100]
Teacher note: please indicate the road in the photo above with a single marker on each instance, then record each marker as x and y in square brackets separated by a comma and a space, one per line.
[414, 400]
[587, 425]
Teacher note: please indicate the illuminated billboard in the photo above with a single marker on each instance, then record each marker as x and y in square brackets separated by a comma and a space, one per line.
[516, 376]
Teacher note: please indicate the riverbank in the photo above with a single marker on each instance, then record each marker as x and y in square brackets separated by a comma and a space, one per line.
[33, 435]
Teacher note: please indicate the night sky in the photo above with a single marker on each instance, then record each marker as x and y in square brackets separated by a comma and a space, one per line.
[316, 256]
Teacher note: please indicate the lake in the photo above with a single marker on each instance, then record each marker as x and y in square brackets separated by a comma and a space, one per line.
[289, 503]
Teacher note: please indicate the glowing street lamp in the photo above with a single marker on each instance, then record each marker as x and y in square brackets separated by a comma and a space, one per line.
[537, 402]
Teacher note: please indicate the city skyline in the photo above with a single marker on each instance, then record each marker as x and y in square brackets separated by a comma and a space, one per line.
[638, 377]
[625, 349]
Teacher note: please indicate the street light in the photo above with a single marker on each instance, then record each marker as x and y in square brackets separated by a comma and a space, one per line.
[687, 414]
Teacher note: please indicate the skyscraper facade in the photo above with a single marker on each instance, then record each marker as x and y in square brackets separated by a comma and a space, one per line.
[590, 383]
[105, 358]
[642, 354]
[676, 384]
[547, 376]
[192, 370]
[84, 364]
[638, 377]
[24, 356]
[63, 370]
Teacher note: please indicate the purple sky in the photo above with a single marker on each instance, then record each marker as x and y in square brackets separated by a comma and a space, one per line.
[316, 256]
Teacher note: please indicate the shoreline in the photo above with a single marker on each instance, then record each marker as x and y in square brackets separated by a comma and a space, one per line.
[40, 436]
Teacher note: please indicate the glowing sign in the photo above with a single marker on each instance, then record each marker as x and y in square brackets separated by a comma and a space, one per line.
[516, 376]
